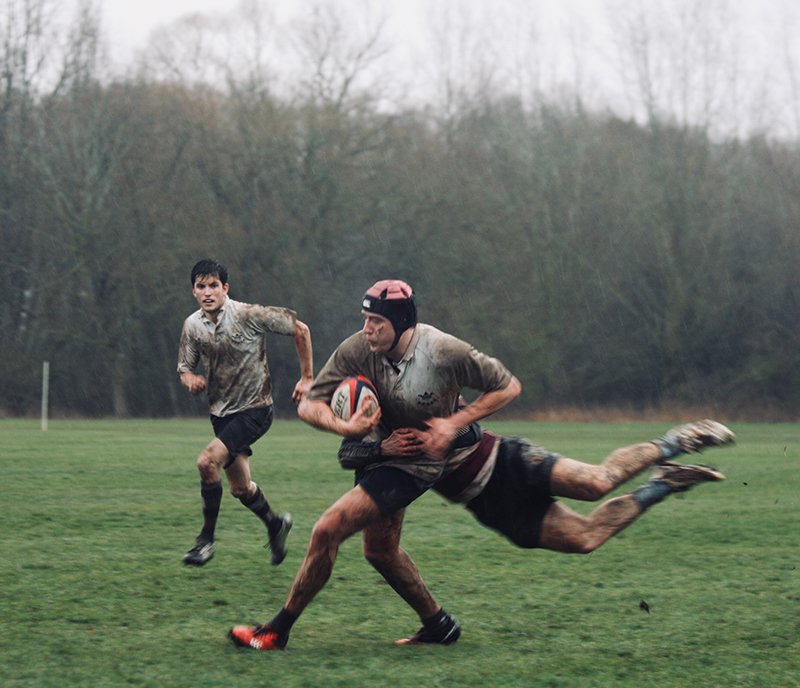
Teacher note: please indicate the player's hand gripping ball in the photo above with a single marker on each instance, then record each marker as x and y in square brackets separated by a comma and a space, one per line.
[351, 394]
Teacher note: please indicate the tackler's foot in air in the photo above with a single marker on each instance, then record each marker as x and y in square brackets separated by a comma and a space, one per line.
[680, 477]
[694, 437]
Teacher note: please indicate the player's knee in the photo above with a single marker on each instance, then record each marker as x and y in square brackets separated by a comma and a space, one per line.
[206, 465]
[210, 464]
[582, 543]
[379, 558]
[597, 487]
[586, 546]
[239, 491]
[580, 539]
[325, 533]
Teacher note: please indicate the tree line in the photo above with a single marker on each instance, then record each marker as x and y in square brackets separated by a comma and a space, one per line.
[608, 262]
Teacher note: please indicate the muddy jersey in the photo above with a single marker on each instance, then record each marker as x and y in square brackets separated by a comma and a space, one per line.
[233, 353]
[426, 383]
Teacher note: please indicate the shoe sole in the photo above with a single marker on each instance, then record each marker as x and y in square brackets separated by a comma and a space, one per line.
[449, 639]
[717, 434]
[705, 474]
[196, 564]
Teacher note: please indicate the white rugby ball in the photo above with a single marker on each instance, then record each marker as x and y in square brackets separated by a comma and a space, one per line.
[351, 394]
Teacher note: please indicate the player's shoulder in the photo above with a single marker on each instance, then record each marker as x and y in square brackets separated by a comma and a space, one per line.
[258, 312]
[430, 338]
[193, 319]
[354, 345]
[234, 307]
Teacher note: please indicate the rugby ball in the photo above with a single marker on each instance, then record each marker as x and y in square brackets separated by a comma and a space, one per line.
[351, 394]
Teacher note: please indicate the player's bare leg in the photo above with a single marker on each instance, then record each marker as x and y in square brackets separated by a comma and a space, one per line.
[590, 482]
[382, 550]
[578, 480]
[352, 512]
[564, 530]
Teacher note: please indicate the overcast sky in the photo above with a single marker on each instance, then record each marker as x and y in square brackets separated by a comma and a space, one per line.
[757, 28]
[129, 22]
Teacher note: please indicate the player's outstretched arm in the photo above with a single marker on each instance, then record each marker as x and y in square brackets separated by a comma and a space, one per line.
[302, 342]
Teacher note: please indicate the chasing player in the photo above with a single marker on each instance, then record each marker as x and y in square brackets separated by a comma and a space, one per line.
[228, 338]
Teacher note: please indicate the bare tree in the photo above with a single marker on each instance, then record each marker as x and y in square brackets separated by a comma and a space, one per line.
[337, 63]
[681, 61]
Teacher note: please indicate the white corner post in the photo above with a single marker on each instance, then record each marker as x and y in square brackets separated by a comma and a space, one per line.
[45, 392]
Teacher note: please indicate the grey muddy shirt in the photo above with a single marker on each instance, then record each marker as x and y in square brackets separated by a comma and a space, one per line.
[233, 353]
[426, 383]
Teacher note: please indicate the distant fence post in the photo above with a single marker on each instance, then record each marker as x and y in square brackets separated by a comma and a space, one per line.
[45, 392]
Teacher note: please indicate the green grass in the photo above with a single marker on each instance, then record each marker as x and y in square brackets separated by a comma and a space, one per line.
[96, 515]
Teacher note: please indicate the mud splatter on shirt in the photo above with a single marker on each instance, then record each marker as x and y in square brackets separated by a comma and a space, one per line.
[233, 353]
[433, 373]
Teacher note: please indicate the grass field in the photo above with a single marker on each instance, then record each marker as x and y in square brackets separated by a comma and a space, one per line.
[96, 515]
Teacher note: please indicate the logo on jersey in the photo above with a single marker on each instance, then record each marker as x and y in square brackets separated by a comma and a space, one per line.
[426, 399]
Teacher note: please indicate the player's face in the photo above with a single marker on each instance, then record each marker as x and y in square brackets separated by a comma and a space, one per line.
[210, 294]
[379, 332]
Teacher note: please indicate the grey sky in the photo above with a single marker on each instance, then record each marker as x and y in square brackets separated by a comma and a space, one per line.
[709, 57]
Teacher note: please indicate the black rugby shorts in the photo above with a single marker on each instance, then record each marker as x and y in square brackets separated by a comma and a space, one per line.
[391, 488]
[239, 430]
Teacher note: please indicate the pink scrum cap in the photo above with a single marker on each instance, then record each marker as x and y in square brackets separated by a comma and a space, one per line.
[394, 300]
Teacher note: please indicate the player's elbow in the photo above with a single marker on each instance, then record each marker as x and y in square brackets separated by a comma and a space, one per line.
[514, 388]
[313, 412]
[301, 330]
[304, 409]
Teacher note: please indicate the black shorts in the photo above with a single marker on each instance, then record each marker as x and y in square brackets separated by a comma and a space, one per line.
[517, 496]
[239, 430]
[391, 488]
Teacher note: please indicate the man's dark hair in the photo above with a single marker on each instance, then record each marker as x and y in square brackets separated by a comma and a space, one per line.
[208, 267]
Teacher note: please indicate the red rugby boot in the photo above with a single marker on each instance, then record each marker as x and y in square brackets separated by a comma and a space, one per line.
[256, 637]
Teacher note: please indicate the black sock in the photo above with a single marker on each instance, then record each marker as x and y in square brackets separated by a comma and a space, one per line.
[257, 503]
[282, 623]
[211, 494]
[437, 621]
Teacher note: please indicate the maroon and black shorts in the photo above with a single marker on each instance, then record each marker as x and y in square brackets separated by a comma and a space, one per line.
[517, 496]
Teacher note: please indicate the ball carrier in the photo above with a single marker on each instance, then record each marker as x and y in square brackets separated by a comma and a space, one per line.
[422, 438]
